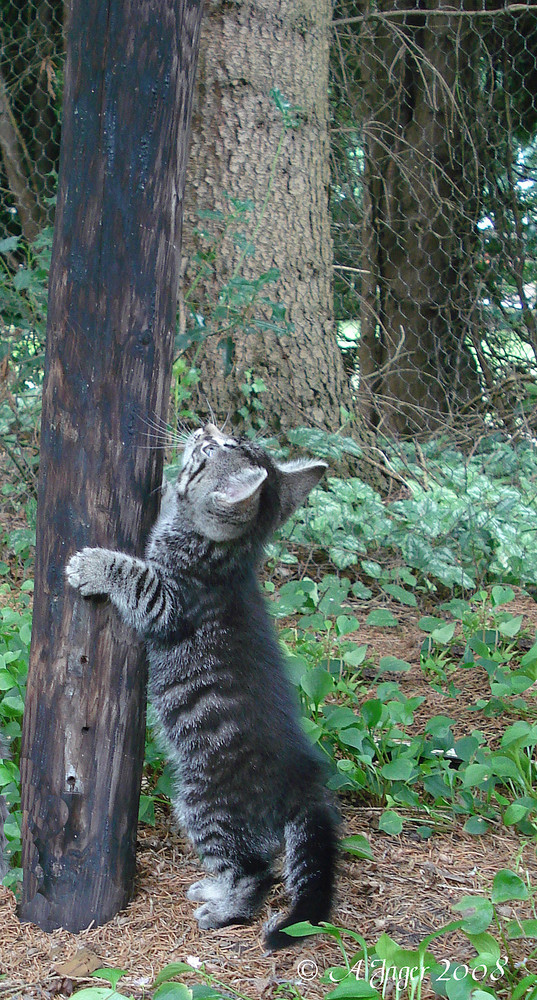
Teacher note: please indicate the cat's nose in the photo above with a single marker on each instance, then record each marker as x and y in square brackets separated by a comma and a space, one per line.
[211, 429]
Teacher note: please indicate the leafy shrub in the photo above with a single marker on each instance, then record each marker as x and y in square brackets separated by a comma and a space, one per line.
[465, 521]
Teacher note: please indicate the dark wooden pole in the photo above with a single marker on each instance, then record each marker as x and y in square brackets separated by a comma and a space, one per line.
[112, 305]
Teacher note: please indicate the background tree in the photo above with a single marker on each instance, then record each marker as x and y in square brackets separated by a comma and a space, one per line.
[264, 158]
[429, 110]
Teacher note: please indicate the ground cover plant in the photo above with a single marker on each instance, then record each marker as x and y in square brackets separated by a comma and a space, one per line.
[437, 738]
[422, 772]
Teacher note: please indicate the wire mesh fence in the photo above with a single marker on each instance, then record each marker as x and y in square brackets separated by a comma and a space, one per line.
[433, 199]
[434, 166]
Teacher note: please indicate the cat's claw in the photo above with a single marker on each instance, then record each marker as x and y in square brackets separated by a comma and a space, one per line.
[212, 915]
[205, 889]
[207, 917]
[86, 571]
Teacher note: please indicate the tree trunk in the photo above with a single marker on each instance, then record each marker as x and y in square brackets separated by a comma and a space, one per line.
[111, 325]
[421, 207]
[19, 171]
[245, 148]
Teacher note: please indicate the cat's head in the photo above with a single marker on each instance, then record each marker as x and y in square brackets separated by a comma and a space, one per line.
[231, 487]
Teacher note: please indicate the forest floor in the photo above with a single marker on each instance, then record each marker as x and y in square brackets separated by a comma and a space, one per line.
[407, 891]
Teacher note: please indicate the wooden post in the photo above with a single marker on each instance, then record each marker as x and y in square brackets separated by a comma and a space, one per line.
[112, 309]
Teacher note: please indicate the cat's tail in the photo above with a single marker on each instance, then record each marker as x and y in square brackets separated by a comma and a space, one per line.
[310, 866]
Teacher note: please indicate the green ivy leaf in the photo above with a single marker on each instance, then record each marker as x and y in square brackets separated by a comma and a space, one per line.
[507, 885]
[358, 845]
[477, 913]
[391, 664]
[381, 618]
[397, 770]
[390, 822]
[173, 991]
[317, 683]
[400, 594]
[476, 826]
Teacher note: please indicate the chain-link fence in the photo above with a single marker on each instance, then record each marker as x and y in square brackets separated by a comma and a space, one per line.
[434, 202]
[433, 197]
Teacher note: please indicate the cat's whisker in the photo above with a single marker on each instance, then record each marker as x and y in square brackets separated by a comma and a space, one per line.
[222, 429]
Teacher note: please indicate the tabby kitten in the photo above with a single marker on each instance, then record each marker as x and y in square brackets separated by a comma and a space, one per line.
[249, 781]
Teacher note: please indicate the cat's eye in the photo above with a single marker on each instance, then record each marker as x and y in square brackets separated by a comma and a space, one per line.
[208, 449]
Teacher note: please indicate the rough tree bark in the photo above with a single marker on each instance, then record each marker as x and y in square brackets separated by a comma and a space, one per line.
[421, 207]
[19, 171]
[111, 325]
[249, 48]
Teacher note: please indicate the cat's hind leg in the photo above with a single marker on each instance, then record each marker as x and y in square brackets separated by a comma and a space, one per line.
[233, 897]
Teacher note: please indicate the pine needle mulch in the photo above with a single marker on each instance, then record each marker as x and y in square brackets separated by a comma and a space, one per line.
[407, 892]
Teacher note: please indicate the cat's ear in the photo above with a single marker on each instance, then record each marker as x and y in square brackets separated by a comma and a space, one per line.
[297, 479]
[241, 491]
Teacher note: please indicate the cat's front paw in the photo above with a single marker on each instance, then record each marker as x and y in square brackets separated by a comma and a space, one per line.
[88, 572]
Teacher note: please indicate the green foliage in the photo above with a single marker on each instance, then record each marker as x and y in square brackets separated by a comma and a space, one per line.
[465, 521]
[15, 634]
[370, 744]
[23, 300]
[490, 973]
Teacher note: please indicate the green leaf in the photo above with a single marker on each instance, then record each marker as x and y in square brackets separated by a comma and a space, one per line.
[520, 991]
[9, 243]
[359, 845]
[98, 993]
[522, 928]
[503, 766]
[346, 624]
[444, 633]
[350, 988]
[173, 991]
[519, 734]
[502, 595]
[511, 626]
[391, 823]
[381, 618]
[476, 826]
[400, 594]
[507, 885]
[6, 680]
[371, 712]
[112, 976]
[428, 623]
[373, 569]
[529, 658]
[466, 747]
[487, 947]
[515, 812]
[14, 703]
[452, 982]
[146, 810]
[317, 683]
[172, 970]
[477, 913]
[397, 770]
[303, 928]
[354, 657]
[352, 736]
[391, 664]
[475, 774]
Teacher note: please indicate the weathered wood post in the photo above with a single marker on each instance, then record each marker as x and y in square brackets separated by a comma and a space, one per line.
[112, 305]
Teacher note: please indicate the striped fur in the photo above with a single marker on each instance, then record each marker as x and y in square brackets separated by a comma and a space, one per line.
[248, 781]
